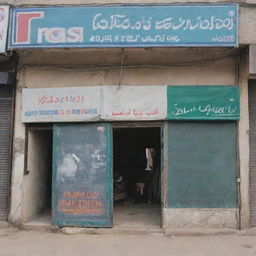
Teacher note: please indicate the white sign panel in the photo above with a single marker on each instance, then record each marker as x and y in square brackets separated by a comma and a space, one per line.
[134, 103]
[4, 18]
[64, 104]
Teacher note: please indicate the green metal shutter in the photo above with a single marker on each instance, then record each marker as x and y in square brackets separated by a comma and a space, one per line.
[6, 120]
[202, 164]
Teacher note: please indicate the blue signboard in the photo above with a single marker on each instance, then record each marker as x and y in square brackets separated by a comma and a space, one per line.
[124, 26]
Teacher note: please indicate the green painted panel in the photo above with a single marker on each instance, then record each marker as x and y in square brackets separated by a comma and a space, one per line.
[82, 175]
[203, 103]
[202, 165]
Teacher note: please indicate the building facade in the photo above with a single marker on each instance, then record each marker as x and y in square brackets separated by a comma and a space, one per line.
[92, 95]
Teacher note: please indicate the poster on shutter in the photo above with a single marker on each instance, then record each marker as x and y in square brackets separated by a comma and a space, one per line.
[134, 103]
[66, 104]
[82, 175]
[4, 18]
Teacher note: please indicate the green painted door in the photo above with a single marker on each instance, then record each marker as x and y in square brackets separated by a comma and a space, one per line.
[82, 175]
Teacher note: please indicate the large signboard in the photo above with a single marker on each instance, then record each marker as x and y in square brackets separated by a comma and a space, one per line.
[4, 18]
[125, 26]
[134, 102]
[203, 102]
[95, 103]
[61, 104]
[82, 175]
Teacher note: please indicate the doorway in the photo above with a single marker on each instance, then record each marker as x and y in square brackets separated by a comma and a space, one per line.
[38, 175]
[137, 176]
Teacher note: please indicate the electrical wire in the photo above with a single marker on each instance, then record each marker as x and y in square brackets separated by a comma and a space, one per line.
[124, 63]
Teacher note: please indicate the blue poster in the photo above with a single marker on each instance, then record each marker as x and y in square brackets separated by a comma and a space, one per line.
[124, 26]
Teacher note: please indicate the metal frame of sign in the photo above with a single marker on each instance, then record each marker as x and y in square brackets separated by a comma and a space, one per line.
[230, 40]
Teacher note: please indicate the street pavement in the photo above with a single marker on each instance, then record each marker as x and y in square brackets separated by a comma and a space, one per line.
[14, 242]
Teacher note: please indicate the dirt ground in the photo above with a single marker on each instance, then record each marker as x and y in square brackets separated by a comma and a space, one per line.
[17, 242]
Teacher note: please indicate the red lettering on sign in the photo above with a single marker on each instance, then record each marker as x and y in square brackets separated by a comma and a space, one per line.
[81, 194]
[23, 25]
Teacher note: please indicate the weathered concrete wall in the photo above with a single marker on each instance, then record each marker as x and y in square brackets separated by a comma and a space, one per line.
[16, 206]
[113, 57]
[243, 142]
[199, 218]
[247, 26]
[222, 72]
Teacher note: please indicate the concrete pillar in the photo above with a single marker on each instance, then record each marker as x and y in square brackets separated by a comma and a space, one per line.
[15, 214]
[243, 143]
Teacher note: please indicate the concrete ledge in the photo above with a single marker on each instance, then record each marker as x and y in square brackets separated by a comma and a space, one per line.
[199, 232]
[4, 224]
[112, 231]
[130, 231]
[175, 219]
[81, 230]
[247, 232]
[210, 232]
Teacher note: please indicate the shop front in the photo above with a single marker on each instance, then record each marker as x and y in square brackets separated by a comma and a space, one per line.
[153, 152]
[128, 137]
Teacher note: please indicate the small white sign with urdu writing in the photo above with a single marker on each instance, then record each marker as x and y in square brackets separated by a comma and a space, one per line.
[134, 103]
[65, 104]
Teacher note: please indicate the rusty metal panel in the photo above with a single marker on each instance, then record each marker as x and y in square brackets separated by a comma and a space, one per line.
[6, 119]
[82, 175]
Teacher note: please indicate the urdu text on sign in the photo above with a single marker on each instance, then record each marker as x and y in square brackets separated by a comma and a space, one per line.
[125, 26]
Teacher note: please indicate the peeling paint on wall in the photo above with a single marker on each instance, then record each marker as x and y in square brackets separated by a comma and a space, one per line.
[19, 146]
